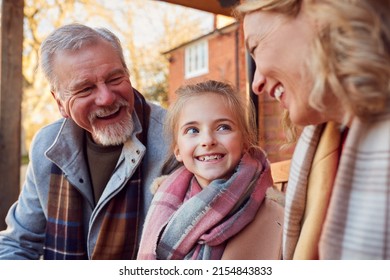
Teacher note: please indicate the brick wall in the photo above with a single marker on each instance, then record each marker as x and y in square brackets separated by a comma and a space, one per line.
[222, 63]
[271, 134]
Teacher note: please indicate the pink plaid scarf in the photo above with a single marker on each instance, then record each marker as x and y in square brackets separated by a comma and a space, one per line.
[188, 222]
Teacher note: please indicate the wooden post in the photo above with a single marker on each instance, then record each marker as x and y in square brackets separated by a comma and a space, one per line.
[11, 80]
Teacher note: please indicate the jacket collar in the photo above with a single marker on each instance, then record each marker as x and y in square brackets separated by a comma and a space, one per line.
[67, 152]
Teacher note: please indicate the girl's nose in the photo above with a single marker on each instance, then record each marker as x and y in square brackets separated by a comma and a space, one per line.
[208, 139]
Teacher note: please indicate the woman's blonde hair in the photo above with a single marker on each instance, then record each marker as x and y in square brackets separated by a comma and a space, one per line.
[288, 7]
[350, 57]
[241, 108]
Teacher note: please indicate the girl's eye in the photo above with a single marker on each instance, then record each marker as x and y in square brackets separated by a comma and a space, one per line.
[191, 130]
[224, 127]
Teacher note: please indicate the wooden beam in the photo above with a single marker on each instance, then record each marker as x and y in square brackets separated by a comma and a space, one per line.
[11, 80]
[280, 173]
[211, 6]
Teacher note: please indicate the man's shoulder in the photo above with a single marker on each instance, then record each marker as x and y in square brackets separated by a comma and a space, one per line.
[156, 109]
[157, 113]
[50, 129]
[47, 134]
[156, 139]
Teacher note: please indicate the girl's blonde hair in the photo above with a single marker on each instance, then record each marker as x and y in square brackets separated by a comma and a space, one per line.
[241, 108]
[350, 58]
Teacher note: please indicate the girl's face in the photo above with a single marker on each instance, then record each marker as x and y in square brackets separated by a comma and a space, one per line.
[279, 46]
[209, 141]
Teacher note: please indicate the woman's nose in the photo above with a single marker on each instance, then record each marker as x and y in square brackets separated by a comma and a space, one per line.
[258, 82]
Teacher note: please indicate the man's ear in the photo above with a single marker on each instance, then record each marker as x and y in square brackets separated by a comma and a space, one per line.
[61, 107]
[176, 151]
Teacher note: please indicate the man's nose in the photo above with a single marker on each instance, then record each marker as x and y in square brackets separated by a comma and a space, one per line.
[104, 95]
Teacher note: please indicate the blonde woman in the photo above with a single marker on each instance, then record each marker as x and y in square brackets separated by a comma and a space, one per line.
[328, 63]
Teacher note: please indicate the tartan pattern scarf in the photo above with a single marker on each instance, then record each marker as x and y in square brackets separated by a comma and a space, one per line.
[358, 216]
[117, 239]
[188, 222]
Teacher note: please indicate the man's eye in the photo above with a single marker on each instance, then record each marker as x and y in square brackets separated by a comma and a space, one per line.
[87, 89]
[115, 81]
[191, 130]
[84, 91]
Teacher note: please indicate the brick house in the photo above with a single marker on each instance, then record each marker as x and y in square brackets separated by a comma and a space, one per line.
[221, 55]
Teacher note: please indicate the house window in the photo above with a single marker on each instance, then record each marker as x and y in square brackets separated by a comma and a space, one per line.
[196, 59]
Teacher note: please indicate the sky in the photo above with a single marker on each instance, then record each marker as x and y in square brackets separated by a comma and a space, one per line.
[148, 26]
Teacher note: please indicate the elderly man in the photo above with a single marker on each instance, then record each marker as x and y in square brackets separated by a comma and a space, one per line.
[87, 186]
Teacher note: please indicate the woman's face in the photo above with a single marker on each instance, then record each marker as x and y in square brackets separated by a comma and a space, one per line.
[279, 46]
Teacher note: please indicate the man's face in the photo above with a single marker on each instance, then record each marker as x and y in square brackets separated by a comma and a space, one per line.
[94, 90]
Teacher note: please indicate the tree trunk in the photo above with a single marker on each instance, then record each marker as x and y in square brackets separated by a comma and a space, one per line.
[11, 80]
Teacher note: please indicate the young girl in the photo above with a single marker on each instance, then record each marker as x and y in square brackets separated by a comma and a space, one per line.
[221, 184]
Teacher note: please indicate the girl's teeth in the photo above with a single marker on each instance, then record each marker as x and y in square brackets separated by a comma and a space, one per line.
[206, 158]
[279, 92]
